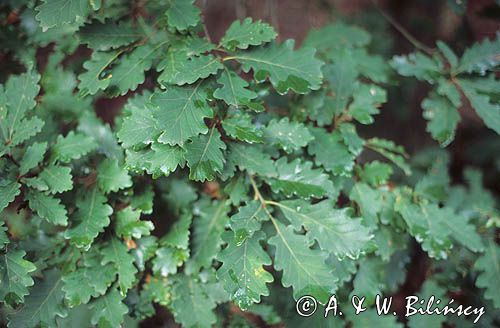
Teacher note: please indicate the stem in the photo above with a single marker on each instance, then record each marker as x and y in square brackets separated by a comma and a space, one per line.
[256, 191]
[417, 44]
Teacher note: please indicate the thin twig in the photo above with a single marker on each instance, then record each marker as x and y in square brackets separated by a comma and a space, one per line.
[417, 44]
[256, 191]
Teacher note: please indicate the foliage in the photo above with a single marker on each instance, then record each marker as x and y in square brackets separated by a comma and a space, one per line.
[234, 171]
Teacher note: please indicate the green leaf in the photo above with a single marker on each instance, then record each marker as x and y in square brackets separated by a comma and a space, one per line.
[107, 35]
[485, 107]
[330, 151]
[208, 226]
[47, 207]
[375, 173]
[480, 57]
[19, 98]
[367, 99]
[168, 259]
[448, 53]
[443, 119]
[97, 75]
[180, 114]
[369, 201]
[26, 129]
[368, 280]
[112, 177]
[138, 128]
[247, 33]
[91, 280]
[370, 318]
[286, 69]
[303, 268]
[117, 253]
[187, 70]
[129, 72]
[248, 220]
[91, 217]
[158, 160]
[429, 288]
[14, 276]
[109, 310]
[489, 265]
[298, 178]
[8, 193]
[4, 239]
[204, 156]
[337, 35]
[241, 127]
[54, 13]
[287, 135]
[422, 67]
[128, 224]
[234, 89]
[351, 138]
[58, 178]
[32, 157]
[182, 14]
[252, 159]
[391, 151]
[43, 305]
[73, 146]
[242, 272]
[178, 235]
[334, 229]
[191, 306]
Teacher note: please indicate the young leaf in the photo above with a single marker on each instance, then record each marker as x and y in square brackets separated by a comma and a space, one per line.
[247, 33]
